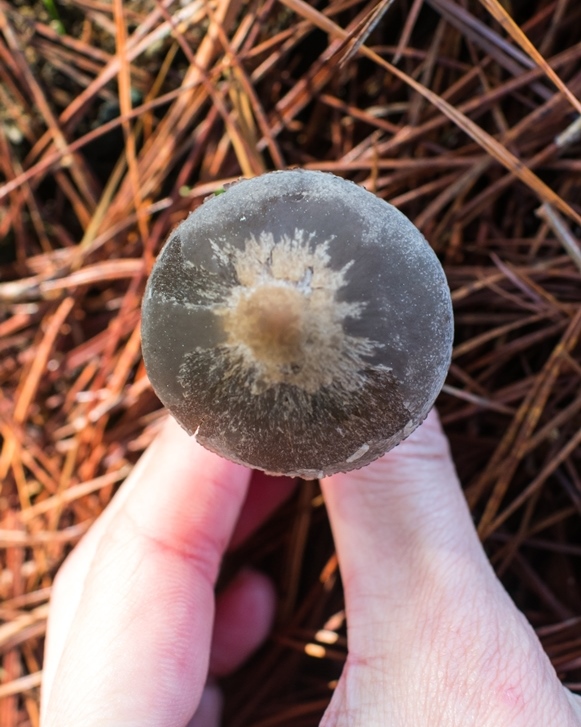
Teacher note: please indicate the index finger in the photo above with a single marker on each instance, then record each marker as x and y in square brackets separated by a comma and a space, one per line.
[147, 605]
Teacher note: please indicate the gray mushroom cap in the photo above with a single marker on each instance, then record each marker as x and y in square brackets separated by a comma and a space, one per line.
[297, 324]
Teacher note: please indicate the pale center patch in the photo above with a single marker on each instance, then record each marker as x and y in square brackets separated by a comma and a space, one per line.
[283, 320]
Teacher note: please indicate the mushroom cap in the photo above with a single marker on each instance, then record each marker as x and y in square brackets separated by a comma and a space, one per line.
[297, 324]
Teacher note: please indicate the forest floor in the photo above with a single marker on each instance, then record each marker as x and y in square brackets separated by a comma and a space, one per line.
[118, 118]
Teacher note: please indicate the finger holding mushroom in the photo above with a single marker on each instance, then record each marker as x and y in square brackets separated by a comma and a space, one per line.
[297, 324]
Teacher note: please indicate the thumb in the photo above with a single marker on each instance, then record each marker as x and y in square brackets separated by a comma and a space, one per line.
[393, 516]
[428, 621]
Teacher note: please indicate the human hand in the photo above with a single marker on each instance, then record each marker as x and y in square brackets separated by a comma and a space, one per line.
[134, 629]
[433, 638]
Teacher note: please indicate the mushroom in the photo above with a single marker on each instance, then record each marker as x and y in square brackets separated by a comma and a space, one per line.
[298, 324]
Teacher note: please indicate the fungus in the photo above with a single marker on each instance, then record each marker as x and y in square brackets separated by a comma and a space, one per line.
[297, 324]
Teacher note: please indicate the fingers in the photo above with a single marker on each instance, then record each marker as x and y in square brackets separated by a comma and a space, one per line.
[265, 494]
[244, 616]
[433, 636]
[138, 647]
[388, 516]
[70, 581]
[209, 711]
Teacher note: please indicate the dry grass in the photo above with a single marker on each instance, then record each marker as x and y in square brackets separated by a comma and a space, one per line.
[117, 118]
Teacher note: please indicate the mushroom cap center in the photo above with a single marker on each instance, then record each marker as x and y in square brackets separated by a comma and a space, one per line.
[270, 320]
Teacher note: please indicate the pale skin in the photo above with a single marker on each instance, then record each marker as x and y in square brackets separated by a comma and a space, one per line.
[136, 637]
